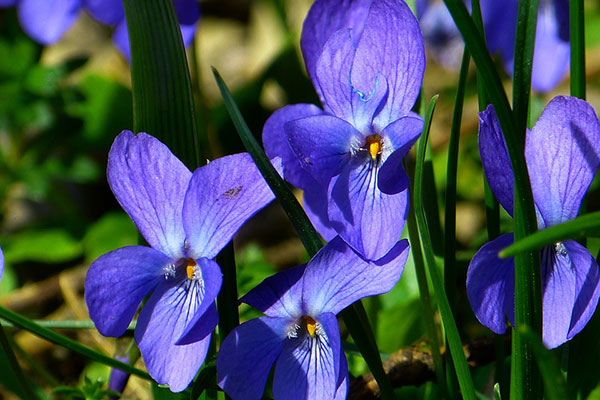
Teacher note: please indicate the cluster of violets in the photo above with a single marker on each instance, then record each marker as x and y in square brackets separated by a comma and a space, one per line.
[46, 21]
[366, 60]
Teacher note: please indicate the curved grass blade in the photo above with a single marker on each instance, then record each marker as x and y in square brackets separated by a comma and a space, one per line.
[580, 227]
[577, 37]
[460, 363]
[51, 336]
[16, 368]
[354, 316]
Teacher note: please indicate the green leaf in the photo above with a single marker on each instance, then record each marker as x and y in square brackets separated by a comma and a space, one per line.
[580, 227]
[460, 363]
[111, 231]
[48, 246]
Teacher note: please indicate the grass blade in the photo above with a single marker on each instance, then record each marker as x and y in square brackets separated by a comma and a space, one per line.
[51, 336]
[577, 36]
[460, 363]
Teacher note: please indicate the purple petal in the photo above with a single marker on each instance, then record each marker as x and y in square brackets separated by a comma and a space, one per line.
[118, 379]
[491, 285]
[323, 144]
[308, 368]
[212, 279]
[150, 183]
[1, 263]
[323, 19]
[552, 54]
[221, 197]
[315, 204]
[391, 49]
[7, 3]
[570, 291]
[108, 12]
[337, 276]
[563, 154]
[46, 21]
[247, 355]
[342, 97]
[343, 379]
[187, 33]
[587, 286]
[277, 145]
[116, 284]
[500, 24]
[161, 323]
[279, 295]
[121, 40]
[494, 156]
[366, 218]
[401, 134]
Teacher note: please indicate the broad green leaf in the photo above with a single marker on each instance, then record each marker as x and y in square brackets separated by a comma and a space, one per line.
[48, 246]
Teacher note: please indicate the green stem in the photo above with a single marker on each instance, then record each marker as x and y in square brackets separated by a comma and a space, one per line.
[66, 324]
[227, 303]
[577, 38]
[425, 297]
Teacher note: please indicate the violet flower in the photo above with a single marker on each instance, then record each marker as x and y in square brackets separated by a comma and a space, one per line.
[300, 333]
[45, 21]
[186, 219]
[366, 61]
[562, 152]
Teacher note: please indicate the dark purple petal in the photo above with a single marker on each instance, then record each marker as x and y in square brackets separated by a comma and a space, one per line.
[212, 279]
[121, 40]
[118, 379]
[7, 3]
[563, 154]
[279, 295]
[401, 134]
[323, 144]
[342, 97]
[276, 142]
[491, 285]
[587, 287]
[500, 24]
[561, 14]
[187, 11]
[337, 276]
[247, 355]
[46, 21]
[315, 204]
[308, 367]
[323, 19]
[494, 156]
[116, 284]
[108, 12]
[391, 49]
[161, 323]
[150, 184]
[552, 54]
[366, 218]
[221, 197]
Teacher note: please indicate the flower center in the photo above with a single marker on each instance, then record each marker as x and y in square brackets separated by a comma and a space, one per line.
[374, 145]
[187, 266]
[311, 325]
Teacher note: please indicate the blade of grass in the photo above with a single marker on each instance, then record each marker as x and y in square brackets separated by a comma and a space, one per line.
[227, 303]
[66, 324]
[577, 37]
[460, 363]
[162, 91]
[354, 315]
[584, 226]
[51, 336]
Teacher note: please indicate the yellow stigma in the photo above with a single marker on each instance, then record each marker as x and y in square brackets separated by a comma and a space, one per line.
[374, 145]
[311, 325]
[190, 268]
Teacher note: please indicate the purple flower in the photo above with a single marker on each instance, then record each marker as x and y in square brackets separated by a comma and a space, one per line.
[552, 48]
[300, 333]
[47, 20]
[562, 152]
[118, 379]
[366, 61]
[1, 263]
[442, 38]
[186, 219]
